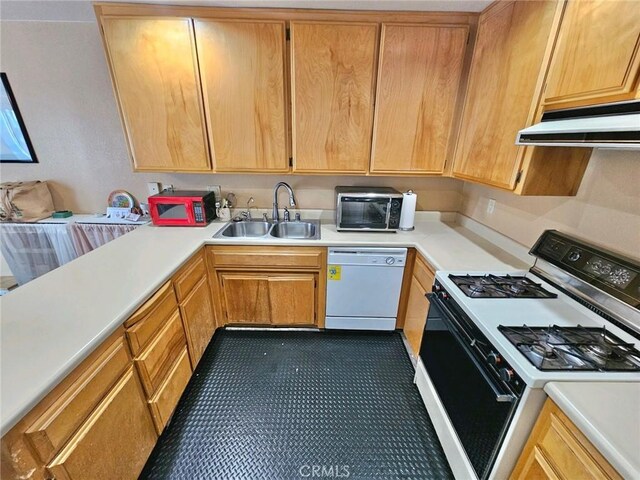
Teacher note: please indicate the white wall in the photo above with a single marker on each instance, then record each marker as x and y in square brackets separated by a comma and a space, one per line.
[606, 209]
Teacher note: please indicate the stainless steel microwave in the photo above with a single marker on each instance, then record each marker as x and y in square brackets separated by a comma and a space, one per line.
[368, 208]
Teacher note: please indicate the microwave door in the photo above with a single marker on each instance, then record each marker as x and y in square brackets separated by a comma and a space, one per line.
[363, 213]
[172, 211]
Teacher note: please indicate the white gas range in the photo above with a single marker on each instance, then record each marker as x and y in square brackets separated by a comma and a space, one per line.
[494, 339]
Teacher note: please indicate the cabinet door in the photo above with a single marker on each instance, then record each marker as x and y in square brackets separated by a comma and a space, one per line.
[333, 75]
[116, 439]
[245, 297]
[242, 64]
[418, 83]
[57, 424]
[597, 59]
[509, 52]
[199, 320]
[416, 316]
[155, 75]
[557, 449]
[293, 299]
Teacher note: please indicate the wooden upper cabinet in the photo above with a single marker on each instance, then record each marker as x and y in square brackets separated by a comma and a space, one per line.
[242, 65]
[154, 69]
[332, 95]
[418, 82]
[597, 59]
[504, 85]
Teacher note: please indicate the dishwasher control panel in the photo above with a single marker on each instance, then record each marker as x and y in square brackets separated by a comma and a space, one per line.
[387, 257]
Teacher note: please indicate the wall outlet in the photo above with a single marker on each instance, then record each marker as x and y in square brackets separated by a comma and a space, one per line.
[491, 206]
[153, 188]
[167, 186]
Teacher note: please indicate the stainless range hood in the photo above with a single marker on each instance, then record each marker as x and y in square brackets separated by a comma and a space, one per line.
[613, 125]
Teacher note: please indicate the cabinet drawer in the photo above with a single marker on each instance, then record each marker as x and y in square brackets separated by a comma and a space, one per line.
[56, 425]
[116, 439]
[266, 257]
[150, 318]
[165, 400]
[157, 359]
[189, 276]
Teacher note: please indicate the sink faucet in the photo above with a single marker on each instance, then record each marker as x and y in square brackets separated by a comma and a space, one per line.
[292, 199]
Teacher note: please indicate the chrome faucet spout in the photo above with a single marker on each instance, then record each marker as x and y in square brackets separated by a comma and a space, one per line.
[292, 199]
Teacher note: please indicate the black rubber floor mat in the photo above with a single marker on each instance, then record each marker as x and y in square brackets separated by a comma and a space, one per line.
[285, 405]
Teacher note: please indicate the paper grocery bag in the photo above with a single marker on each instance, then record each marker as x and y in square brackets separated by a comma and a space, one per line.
[25, 201]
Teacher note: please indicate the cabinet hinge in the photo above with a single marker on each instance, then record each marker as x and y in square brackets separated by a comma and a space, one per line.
[287, 34]
[291, 161]
[519, 176]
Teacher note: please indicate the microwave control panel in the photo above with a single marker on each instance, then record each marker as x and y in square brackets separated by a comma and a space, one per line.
[198, 212]
[394, 212]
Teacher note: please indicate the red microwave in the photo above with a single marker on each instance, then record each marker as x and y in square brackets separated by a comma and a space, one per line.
[182, 208]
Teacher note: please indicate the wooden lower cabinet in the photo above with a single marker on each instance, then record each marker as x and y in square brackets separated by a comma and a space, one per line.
[95, 424]
[270, 298]
[155, 362]
[166, 398]
[198, 319]
[556, 449]
[192, 288]
[417, 304]
[116, 439]
[292, 299]
[268, 285]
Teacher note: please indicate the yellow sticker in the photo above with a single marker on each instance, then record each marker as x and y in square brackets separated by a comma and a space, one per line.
[334, 272]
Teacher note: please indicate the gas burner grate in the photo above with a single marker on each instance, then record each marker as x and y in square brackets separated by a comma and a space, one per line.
[573, 348]
[500, 286]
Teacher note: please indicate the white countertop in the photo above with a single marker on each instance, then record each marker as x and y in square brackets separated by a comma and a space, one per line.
[51, 324]
[608, 414]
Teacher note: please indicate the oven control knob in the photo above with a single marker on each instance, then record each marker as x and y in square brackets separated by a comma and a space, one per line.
[390, 260]
[494, 359]
[574, 256]
[506, 374]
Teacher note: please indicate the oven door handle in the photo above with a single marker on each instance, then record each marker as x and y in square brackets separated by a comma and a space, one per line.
[501, 396]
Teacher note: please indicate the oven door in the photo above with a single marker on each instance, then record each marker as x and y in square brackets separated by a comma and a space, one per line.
[363, 213]
[172, 211]
[479, 408]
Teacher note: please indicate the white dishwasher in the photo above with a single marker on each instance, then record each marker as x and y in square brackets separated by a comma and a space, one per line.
[363, 287]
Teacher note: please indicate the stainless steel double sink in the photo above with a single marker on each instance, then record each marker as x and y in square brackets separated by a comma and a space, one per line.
[297, 230]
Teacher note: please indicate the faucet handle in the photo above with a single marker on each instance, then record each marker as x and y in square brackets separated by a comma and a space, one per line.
[297, 216]
[286, 214]
[265, 217]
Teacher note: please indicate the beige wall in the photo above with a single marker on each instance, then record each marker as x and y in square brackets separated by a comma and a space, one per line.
[606, 209]
[60, 79]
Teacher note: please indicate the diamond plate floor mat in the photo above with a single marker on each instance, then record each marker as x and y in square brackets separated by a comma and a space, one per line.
[296, 405]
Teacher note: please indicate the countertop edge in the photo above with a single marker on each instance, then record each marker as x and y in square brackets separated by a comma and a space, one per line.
[595, 436]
